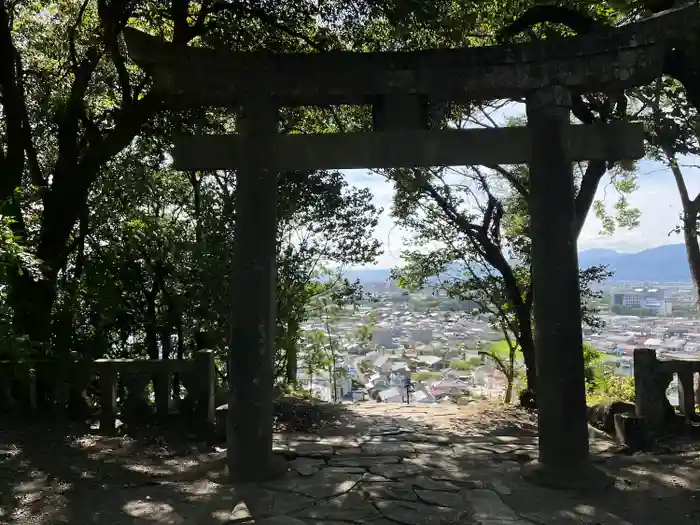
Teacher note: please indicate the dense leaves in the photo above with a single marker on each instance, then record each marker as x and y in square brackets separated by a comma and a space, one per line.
[108, 251]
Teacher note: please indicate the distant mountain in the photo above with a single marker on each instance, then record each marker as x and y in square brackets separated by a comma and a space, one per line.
[368, 275]
[663, 264]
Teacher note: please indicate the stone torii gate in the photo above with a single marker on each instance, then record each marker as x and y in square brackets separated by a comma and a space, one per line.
[402, 88]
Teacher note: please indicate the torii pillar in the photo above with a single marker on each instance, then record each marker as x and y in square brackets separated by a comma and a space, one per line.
[561, 390]
[253, 319]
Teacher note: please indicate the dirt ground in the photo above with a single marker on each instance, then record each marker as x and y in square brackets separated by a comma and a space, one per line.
[52, 473]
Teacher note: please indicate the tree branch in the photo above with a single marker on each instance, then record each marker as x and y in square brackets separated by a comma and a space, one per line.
[586, 193]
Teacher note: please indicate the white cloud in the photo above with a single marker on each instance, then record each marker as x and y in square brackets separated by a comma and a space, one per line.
[387, 232]
[657, 199]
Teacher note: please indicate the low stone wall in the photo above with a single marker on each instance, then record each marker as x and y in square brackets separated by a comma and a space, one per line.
[64, 384]
[651, 379]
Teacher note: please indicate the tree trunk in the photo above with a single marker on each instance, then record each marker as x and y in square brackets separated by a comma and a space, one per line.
[526, 342]
[292, 352]
[692, 248]
[691, 210]
[291, 365]
[32, 302]
[509, 389]
[180, 354]
[151, 323]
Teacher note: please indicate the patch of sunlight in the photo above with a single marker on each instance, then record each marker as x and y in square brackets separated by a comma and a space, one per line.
[224, 516]
[585, 510]
[673, 480]
[202, 487]
[148, 469]
[30, 486]
[153, 511]
[240, 511]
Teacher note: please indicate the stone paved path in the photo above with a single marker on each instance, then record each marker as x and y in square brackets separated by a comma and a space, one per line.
[388, 464]
[378, 465]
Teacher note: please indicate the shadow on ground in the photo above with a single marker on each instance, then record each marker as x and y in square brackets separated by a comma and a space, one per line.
[371, 463]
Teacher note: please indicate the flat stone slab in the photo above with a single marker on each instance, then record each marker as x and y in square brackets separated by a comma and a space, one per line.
[306, 466]
[501, 488]
[279, 520]
[362, 461]
[487, 505]
[431, 483]
[340, 441]
[349, 507]
[292, 438]
[324, 484]
[262, 503]
[441, 498]
[340, 469]
[426, 438]
[388, 490]
[311, 450]
[384, 430]
[496, 448]
[348, 451]
[401, 470]
[408, 513]
[389, 449]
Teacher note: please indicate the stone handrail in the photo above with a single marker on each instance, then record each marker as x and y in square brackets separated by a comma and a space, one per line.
[66, 381]
[651, 379]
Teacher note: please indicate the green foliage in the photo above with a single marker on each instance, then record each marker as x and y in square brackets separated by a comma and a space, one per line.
[322, 347]
[592, 358]
[468, 365]
[365, 366]
[425, 376]
[14, 257]
[609, 387]
[106, 250]
[503, 355]
[136, 258]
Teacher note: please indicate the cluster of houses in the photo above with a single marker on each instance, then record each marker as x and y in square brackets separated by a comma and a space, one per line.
[623, 333]
[412, 378]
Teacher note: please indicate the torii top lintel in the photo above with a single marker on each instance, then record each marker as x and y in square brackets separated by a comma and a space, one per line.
[615, 57]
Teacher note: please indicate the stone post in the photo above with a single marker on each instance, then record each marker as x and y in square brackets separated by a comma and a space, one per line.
[206, 377]
[108, 396]
[252, 345]
[686, 395]
[561, 395]
[161, 390]
[648, 393]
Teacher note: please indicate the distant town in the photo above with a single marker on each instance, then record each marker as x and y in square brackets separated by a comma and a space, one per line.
[425, 348]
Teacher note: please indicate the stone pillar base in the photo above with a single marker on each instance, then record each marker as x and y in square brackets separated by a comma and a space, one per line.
[586, 477]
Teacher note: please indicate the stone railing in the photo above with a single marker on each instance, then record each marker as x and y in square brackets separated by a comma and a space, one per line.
[652, 375]
[65, 383]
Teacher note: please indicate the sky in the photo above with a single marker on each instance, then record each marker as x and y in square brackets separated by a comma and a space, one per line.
[656, 198]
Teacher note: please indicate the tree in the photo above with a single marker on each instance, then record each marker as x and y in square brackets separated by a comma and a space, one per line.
[592, 358]
[74, 104]
[668, 107]
[503, 355]
[479, 229]
[478, 217]
[671, 133]
[324, 346]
